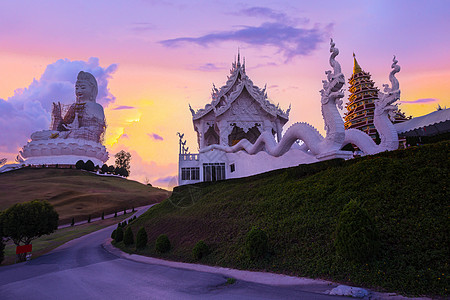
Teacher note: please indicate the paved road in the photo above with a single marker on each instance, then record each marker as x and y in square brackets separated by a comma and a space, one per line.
[82, 269]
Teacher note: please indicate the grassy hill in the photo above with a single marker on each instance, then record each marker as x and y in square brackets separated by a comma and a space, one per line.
[405, 193]
[76, 193]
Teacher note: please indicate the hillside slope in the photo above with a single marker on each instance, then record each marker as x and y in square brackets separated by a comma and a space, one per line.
[76, 193]
[405, 192]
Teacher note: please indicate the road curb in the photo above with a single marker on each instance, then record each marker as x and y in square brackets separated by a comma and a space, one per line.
[317, 286]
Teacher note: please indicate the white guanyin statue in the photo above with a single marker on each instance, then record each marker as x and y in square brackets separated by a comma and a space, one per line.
[76, 135]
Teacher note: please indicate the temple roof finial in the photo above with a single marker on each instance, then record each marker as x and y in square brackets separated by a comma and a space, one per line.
[239, 58]
[356, 67]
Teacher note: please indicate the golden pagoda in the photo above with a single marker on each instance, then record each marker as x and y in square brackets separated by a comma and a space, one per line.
[360, 105]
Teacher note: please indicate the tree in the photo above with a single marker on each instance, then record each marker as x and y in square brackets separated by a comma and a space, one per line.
[105, 168]
[24, 222]
[89, 166]
[123, 159]
[79, 165]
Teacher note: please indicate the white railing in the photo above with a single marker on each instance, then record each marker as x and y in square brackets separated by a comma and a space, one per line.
[188, 157]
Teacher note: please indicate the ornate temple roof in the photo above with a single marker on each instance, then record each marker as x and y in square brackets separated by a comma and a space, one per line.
[223, 98]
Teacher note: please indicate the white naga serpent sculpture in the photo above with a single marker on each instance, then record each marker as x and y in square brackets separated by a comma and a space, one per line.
[336, 135]
[384, 108]
[317, 144]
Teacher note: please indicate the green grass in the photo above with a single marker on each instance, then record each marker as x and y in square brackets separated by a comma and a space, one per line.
[46, 243]
[75, 193]
[405, 192]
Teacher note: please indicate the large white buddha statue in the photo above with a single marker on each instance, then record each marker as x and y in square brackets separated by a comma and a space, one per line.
[76, 135]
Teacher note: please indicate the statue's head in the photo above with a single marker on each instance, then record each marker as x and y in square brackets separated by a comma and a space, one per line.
[86, 89]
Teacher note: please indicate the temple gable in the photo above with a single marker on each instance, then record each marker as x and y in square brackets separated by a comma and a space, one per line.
[238, 110]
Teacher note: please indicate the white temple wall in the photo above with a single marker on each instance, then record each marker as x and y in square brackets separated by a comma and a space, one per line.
[240, 164]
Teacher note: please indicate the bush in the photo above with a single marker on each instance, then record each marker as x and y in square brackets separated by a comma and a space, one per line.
[356, 237]
[113, 234]
[119, 234]
[2, 248]
[256, 243]
[162, 244]
[128, 238]
[141, 238]
[111, 169]
[200, 250]
[89, 166]
[79, 165]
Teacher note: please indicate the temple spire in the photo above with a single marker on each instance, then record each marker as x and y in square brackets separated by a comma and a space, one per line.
[356, 67]
[239, 59]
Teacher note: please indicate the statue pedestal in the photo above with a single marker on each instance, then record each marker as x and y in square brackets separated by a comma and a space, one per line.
[63, 151]
[335, 154]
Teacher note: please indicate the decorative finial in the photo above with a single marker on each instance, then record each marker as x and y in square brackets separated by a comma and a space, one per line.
[239, 58]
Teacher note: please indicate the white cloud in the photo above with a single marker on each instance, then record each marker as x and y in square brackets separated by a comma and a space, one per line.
[29, 110]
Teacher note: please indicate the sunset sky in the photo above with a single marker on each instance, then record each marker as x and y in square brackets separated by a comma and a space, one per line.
[152, 58]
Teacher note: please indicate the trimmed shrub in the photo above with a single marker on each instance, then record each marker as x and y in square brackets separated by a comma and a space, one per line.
[256, 243]
[79, 165]
[162, 243]
[113, 234]
[89, 166]
[356, 237]
[2, 248]
[200, 250]
[141, 238]
[111, 169]
[128, 238]
[119, 234]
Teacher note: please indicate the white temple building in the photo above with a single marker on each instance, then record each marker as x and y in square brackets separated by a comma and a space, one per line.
[239, 110]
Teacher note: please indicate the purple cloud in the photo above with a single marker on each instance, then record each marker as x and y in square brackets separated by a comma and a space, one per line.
[123, 107]
[289, 40]
[155, 136]
[423, 100]
[208, 67]
[142, 27]
[29, 109]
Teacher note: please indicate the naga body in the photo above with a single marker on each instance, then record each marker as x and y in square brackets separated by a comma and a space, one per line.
[331, 95]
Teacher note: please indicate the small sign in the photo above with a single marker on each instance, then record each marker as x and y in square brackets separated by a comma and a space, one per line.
[23, 249]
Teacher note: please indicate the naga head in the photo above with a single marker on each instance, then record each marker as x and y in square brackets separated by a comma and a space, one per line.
[385, 101]
[332, 87]
[336, 78]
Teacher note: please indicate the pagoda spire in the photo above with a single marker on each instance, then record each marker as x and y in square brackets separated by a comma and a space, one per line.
[356, 67]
